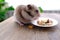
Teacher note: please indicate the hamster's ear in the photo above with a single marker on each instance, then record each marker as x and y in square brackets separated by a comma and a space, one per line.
[29, 6]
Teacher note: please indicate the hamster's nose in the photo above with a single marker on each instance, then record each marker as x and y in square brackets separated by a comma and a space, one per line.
[29, 6]
[38, 15]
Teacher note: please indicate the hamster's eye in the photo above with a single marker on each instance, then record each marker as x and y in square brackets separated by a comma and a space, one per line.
[36, 11]
[29, 7]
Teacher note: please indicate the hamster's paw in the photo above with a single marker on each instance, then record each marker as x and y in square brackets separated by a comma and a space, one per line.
[19, 23]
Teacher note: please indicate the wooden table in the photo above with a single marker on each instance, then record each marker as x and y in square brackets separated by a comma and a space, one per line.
[10, 30]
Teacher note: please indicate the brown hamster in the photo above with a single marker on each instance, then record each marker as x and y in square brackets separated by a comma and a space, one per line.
[24, 14]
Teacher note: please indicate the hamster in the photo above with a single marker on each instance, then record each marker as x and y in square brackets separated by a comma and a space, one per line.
[24, 14]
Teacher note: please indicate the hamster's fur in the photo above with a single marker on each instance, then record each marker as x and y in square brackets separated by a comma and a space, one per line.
[24, 14]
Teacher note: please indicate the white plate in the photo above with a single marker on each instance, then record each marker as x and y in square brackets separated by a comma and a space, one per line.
[55, 22]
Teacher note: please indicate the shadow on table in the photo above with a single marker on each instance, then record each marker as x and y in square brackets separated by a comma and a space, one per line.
[45, 29]
[36, 28]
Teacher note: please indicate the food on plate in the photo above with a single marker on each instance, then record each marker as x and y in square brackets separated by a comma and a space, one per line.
[44, 22]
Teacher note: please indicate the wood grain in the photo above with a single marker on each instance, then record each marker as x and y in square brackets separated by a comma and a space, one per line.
[10, 30]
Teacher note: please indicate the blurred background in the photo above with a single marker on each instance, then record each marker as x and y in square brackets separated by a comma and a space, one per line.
[7, 7]
[5, 10]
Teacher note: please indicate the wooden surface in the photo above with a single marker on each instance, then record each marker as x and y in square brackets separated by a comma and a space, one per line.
[10, 30]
